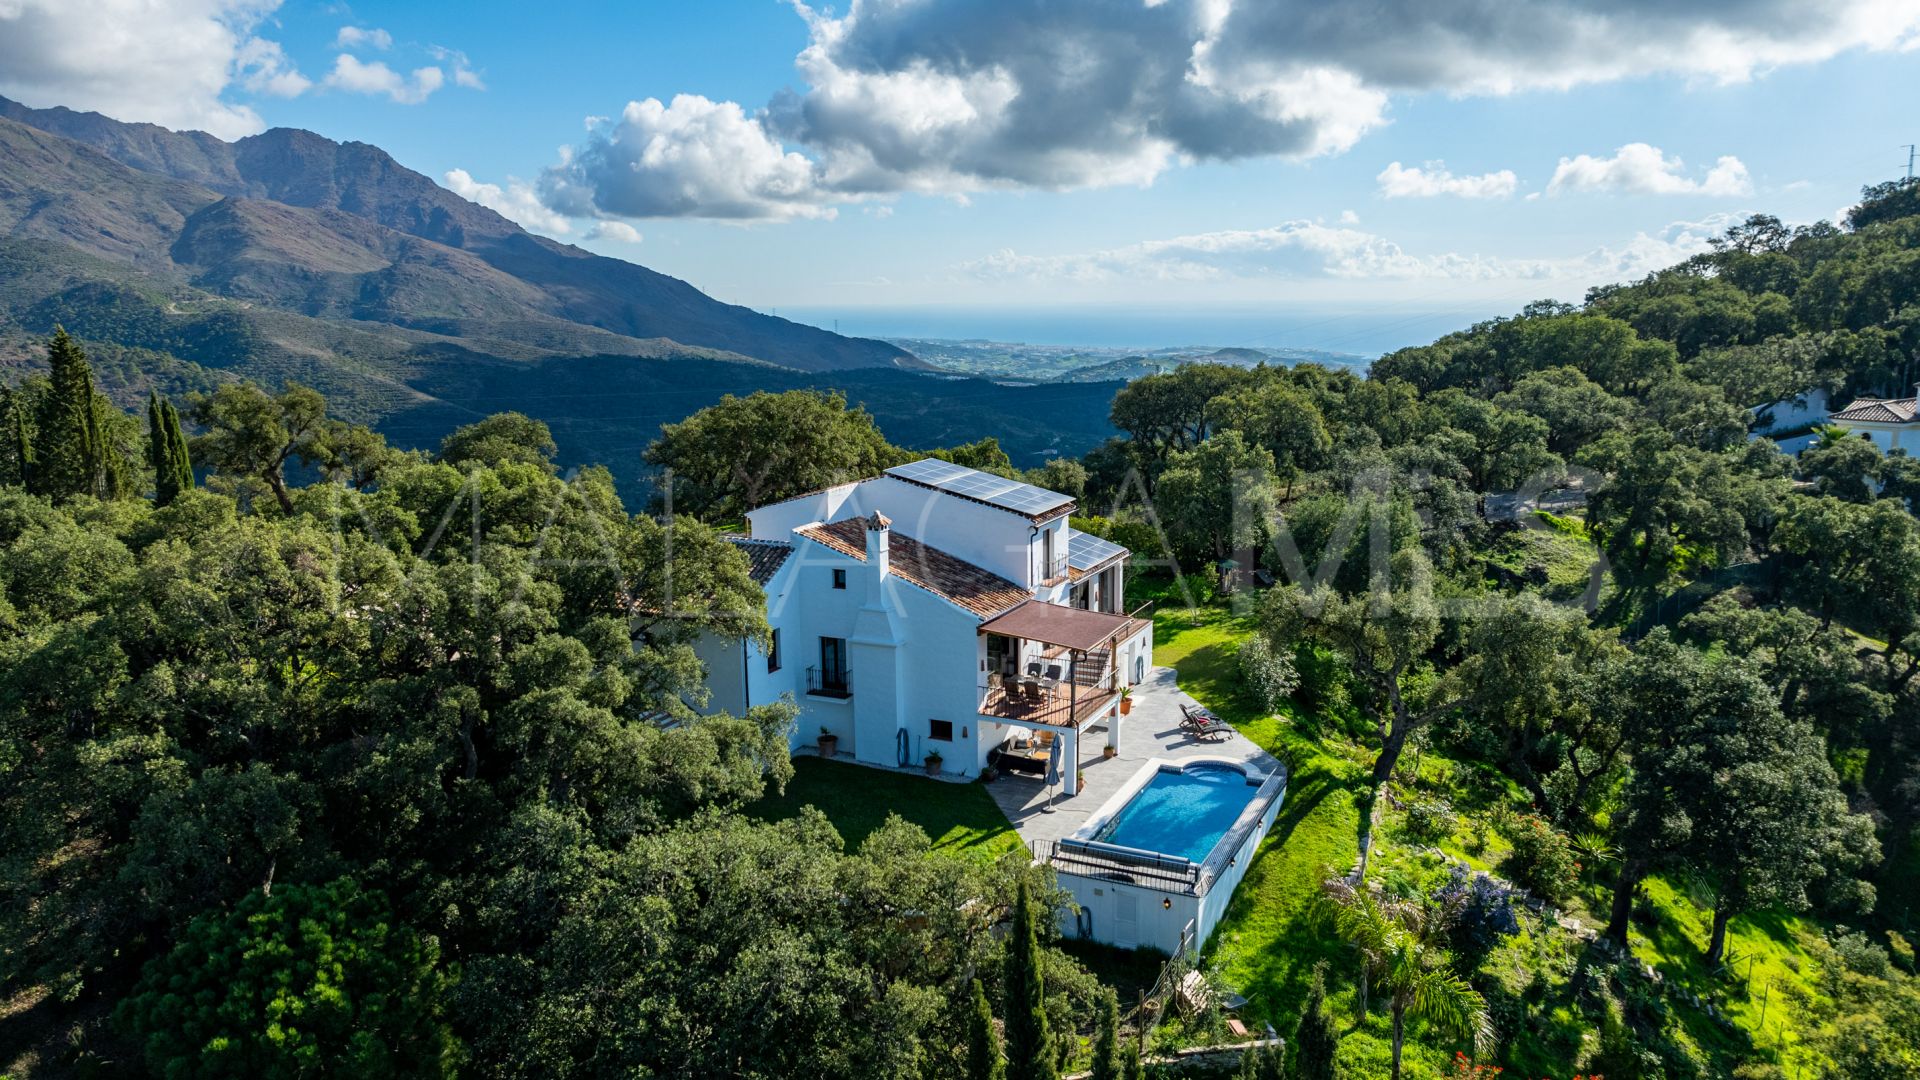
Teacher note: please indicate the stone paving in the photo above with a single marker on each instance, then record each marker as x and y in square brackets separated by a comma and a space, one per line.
[1151, 731]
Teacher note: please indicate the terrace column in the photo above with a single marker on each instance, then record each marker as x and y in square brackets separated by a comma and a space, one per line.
[1070, 762]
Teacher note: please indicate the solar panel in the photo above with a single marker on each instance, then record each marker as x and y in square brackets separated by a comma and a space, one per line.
[1085, 550]
[986, 487]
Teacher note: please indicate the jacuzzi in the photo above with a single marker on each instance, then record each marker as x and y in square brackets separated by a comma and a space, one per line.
[1156, 864]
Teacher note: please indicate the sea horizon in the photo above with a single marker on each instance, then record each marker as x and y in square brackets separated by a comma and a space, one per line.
[1363, 332]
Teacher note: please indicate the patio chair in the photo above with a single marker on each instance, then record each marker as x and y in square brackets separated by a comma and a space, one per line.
[1033, 670]
[1208, 731]
[1198, 714]
[1030, 689]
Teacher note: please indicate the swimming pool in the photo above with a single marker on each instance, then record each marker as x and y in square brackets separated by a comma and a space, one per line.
[1158, 862]
[1181, 812]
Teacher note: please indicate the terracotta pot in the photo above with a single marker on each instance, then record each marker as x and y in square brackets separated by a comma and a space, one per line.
[1108, 751]
[933, 767]
[1126, 706]
[829, 745]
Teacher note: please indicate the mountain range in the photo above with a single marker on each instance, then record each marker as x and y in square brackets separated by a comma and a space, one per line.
[182, 260]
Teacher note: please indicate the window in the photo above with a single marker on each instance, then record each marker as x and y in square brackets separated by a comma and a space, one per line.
[773, 653]
[831, 678]
[839, 579]
[940, 729]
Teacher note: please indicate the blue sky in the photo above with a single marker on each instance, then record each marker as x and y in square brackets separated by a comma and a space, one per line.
[972, 156]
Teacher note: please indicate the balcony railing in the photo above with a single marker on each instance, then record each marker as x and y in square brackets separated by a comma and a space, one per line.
[826, 682]
[1055, 569]
[1081, 692]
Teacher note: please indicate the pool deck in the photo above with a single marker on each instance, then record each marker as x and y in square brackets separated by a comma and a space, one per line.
[1152, 731]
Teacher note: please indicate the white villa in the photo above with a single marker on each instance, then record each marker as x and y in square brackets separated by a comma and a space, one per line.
[936, 609]
[1890, 423]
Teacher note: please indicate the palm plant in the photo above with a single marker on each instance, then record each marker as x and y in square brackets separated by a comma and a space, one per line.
[1398, 942]
[1829, 434]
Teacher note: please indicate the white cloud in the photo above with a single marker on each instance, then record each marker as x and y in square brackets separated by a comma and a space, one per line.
[166, 63]
[358, 37]
[1398, 181]
[1640, 169]
[361, 77]
[688, 158]
[618, 231]
[265, 69]
[463, 73]
[930, 96]
[515, 201]
[1305, 250]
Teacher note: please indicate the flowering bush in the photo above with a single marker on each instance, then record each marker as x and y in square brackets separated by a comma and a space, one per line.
[1542, 858]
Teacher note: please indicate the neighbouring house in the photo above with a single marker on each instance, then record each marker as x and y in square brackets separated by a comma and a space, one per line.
[1790, 414]
[936, 609]
[1889, 423]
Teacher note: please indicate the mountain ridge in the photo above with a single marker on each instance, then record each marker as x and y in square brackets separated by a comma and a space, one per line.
[304, 170]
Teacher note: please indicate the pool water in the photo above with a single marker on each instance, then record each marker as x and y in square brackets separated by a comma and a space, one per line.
[1182, 813]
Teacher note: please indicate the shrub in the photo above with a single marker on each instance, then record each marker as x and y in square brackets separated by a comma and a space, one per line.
[1269, 676]
[1542, 858]
[1483, 914]
[1861, 953]
[1430, 819]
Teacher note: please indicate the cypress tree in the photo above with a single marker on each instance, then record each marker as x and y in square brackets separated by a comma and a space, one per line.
[1315, 1043]
[983, 1044]
[1029, 1048]
[181, 461]
[1106, 1042]
[70, 448]
[167, 451]
[20, 443]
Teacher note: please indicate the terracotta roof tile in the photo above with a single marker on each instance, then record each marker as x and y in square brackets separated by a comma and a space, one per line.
[1878, 410]
[980, 591]
[764, 557]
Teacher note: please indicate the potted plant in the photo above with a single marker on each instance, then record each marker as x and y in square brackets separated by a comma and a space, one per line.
[1126, 700]
[829, 743]
[933, 762]
[1109, 750]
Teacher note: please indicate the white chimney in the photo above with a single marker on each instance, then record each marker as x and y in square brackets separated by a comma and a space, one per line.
[878, 530]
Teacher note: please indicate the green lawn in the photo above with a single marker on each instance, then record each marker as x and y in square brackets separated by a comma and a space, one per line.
[961, 818]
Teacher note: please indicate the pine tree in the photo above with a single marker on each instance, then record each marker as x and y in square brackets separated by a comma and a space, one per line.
[983, 1044]
[167, 451]
[1106, 1043]
[1315, 1042]
[70, 451]
[1030, 1050]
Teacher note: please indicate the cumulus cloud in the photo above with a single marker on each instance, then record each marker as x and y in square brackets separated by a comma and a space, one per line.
[164, 63]
[1299, 250]
[618, 231]
[515, 201]
[1399, 181]
[359, 37]
[362, 77]
[1640, 169]
[688, 157]
[1057, 94]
